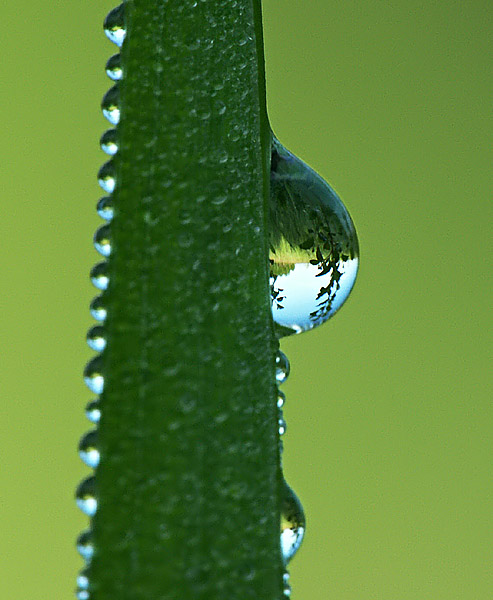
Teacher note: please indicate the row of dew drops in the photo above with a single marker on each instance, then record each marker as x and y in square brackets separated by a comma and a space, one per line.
[292, 517]
[85, 495]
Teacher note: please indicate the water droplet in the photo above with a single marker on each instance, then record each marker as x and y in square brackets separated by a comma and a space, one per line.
[109, 142]
[282, 367]
[110, 105]
[107, 177]
[313, 247]
[114, 67]
[82, 595]
[282, 426]
[88, 450]
[105, 208]
[102, 241]
[99, 276]
[93, 411]
[85, 496]
[98, 309]
[114, 25]
[83, 580]
[286, 587]
[281, 399]
[93, 375]
[292, 524]
[85, 545]
[96, 338]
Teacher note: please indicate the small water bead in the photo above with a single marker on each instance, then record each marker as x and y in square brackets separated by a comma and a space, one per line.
[88, 448]
[102, 240]
[99, 276]
[83, 580]
[105, 208]
[109, 142]
[82, 595]
[96, 338]
[286, 587]
[107, 177]
[85, 545]
[85, 496]
[93, 411]
[282, 367]
[114, 67]
[93, 375]
[281, 399]
[110, 105]
[313, 247]
[292, 524]
[282, 426]
[114, 25]
[97, 308]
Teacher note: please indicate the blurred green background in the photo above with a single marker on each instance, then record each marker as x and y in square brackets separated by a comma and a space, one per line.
[390, 440]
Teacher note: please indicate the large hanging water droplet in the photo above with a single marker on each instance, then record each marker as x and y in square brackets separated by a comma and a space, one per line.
[85, 545]
[114, 67]
[88, 448]
[93, 411]
[313, 245]
[96, 338]
[105, 208]
[292, 524]
[97, 308]
[110, 105]
[107, 177]
[85, 496]
[102, 240]
[93, 375]
[282, 367]
[99, 276]
[109, 142]
[114, 25]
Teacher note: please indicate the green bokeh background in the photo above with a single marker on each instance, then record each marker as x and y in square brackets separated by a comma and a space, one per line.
[389, 441]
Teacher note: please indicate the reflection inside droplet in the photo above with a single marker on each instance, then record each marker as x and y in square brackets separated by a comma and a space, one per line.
[309, 299]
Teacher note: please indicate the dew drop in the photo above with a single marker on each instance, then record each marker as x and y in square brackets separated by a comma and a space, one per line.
[93, 411]
[98, 309]
[99, 276]
[282, 426]
[82, 595]
[114, 25]
[105, 208]
[102, 241]
[114, 67]
[313, 246]
[109, 142]
[85, 496]
[93, 375]
[286, 587]
[282, 367]
[96, 338]
[292, 524]
[281, 399]
[85, 545]
[107, 177]
[88, 449]
[110, 105]
[83, 580]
